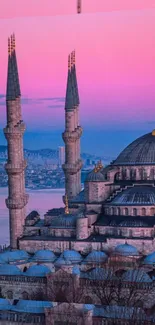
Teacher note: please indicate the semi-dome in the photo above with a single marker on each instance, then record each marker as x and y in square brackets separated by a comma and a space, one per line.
[96, 257]
[61, 261]
[44, 255]
[139, 152]
[12, 256]
[8, 269]
[150, 259]
[137, 195]
[99, 274]
[64, 221]
[71, 256]
[94, 176]
[126, 250]
[136, 276]
[37, 270]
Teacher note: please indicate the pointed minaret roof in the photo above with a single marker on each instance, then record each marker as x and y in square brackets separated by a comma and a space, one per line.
[69, 103]
[75, 80]
[10, 92]
[16, 75]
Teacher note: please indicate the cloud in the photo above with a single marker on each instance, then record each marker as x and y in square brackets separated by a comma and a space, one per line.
[151, 122]
[2, 103]
[55, 106]
[26, 100]
[57, 99]
[1, 96]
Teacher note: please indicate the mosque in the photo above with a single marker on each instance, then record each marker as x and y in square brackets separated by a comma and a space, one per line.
[110, 222]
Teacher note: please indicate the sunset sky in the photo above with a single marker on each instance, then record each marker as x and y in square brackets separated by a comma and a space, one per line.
[115, 59]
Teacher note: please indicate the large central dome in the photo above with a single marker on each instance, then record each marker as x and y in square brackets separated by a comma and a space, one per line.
[139, 152]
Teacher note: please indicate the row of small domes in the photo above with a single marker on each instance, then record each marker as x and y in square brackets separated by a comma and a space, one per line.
[71, 256]
[97, 273]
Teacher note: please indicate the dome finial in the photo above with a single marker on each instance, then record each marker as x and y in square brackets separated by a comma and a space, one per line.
[66, 205]
[153, 132]
[96, 169]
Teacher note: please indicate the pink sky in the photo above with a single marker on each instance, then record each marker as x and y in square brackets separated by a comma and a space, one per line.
[115, 55]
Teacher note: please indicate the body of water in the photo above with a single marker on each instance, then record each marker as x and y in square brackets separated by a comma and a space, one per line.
[39, 200]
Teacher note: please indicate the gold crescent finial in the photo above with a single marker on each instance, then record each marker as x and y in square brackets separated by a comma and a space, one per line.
[96, 169]
[74, 57]
[66, 205]
[11, 43]
[9, 47]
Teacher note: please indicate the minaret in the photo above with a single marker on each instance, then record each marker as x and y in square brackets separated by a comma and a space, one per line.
[72, 134]
[15, 166]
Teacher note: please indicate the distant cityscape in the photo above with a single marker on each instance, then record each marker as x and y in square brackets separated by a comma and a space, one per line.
[44, 169]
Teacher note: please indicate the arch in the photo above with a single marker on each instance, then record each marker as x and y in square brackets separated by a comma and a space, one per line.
[143, 212]
[9, 294]
[25, 269]
[25, 295]
[112, 211]
[117, 177]
[124, 173]
[152, 174]
[134, 212]
[126, 211]
[88, 300]
[118, 211]
[152, 212]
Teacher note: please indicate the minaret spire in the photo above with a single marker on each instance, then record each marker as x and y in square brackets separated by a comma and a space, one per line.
[15, 166]
[72, 134]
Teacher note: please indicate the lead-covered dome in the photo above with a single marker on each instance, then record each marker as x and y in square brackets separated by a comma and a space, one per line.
[137, 195]
[139, 152]
[37, 270]
[8, 269]
[126, 250]
[150, 259]
[44, 255]
[96, 257]
[95, 176]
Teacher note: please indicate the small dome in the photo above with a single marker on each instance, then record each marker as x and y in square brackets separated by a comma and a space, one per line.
[136, 276]
[137, 195]
[61, 261]
[126, 250]
[100, 274]
[150, 259]
[72, 256]
[37, 270]
[44, 255]
[8, 269]
[96, 257]
[12, 256]
[76, 270]
[95, 177]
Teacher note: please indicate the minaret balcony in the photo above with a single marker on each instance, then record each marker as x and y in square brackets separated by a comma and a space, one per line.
[15, 168]
[70, 136]
[18, 202]
[79, 130]
[13, 131]
[70, 168]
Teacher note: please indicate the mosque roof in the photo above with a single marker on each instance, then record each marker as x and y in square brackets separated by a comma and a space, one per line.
[12, 256]
[96, 257]
[37, 270]
[136, 276]
[149, 259]
[139, 152]
[76, 270]
[4, 304]
[44, 255]
[126, 250]
[32, 306]
[9, 269]
[94, 176]
[71, 256]
[98, 273]
[64, 221]
[137, 195]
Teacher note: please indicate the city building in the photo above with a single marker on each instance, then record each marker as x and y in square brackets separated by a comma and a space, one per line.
[103, 239]
[61, 154]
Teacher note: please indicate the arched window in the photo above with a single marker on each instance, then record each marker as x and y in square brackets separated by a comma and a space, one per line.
[25, 295]
[152, 174]
[25, 269]
[143, 212]
[88, 300]
[152, 212]
[9, 294]
[126, 212]
[134, 212]
[112, 211]
[118, 211]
